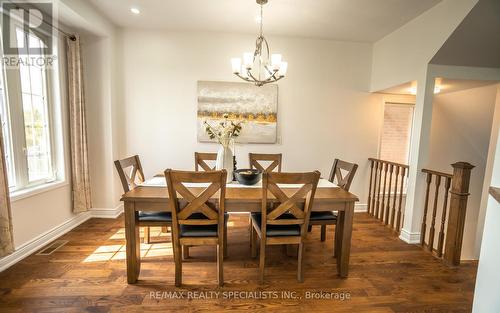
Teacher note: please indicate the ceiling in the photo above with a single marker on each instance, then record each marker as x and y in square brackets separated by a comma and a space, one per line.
[445, 86]
[350, 20]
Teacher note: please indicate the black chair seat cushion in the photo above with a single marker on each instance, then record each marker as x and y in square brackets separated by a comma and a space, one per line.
[277, 230]
[155, 217]
[323, 216]
[200, 230]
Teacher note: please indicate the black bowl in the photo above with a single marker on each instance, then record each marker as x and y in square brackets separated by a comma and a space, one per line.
[248, 176]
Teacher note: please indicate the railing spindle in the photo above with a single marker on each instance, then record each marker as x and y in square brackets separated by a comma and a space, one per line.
[374, 188]
[381, 167]
[370, 187]
[399, 217]
[391, 168]
[434, 212]
[426, 207]
[447, 185]
[382, 208]
[393, 213]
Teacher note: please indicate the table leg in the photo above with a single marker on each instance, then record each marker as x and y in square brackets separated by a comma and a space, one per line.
[345, 222]
[133, 247]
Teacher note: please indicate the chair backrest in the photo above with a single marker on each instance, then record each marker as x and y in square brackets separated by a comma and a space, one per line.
[344, 180]
[134, 176]
[275, 159]
[182, 209]
[298, 214]
[201, 157]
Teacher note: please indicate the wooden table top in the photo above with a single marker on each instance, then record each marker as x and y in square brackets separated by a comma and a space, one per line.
[160, 194]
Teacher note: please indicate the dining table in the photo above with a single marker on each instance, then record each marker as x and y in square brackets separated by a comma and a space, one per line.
[152, 195]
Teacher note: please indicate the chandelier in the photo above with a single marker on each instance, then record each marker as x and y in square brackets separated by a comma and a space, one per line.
[260, 67]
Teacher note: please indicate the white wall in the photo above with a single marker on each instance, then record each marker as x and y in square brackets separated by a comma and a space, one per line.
[403, 55]
[460, 131]
[324, 109]
[488, 276]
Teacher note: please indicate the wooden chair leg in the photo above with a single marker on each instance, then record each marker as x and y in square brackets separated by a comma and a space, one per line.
[262, 259]
[300, 267]
[185, 252]
[253, 242]
[220, 267]
[225, 240]
[178, 263]
[323, 232]
[147, 235]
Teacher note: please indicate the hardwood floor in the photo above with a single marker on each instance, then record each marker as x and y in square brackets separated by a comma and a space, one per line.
[88, 275]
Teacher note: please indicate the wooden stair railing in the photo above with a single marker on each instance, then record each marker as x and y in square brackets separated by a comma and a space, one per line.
[456, 188]
[385, 197]
[385, 192]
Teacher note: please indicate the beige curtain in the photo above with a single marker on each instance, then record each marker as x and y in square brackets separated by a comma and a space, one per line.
[6, 241]
[78, 128]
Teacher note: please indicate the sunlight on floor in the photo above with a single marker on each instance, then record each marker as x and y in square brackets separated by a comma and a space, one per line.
[118, 252]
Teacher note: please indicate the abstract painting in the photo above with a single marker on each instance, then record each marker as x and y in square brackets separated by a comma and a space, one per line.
[256, 106]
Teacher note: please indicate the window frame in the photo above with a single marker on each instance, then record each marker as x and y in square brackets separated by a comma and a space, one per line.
[388, 102]
[16, 125]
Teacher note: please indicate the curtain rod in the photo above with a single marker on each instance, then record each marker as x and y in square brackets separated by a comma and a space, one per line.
[70, 36]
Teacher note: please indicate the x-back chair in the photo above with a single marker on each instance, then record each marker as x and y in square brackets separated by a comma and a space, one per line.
[197, 218]
[200, 159]
[285, 220]
[343, 180]
[129, 181]
[256, 161]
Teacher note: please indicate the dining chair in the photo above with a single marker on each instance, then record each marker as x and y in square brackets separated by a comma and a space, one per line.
[342, 173]
[200, 159]
[129, 181]
[196, 220]
[283, 221]
[256, 160]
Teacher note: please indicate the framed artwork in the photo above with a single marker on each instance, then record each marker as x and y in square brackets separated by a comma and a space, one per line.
[256, 107]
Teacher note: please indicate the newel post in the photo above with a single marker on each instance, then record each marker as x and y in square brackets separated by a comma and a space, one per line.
[458, 208]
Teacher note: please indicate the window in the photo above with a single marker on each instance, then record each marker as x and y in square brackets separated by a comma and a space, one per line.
[396, 132]
[26, 116]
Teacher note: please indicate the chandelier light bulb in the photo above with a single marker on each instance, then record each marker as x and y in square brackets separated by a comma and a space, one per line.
[248, 59]
[236, 65]
[283, 68]
[276, 61]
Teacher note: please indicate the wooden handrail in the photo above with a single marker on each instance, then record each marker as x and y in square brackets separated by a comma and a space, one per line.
[385, 196]
[458, 194]
[495, 193]
[433, 172]
[389, 162]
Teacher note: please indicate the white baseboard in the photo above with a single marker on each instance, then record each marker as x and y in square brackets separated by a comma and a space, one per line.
[56, 232]
[107, 212]
[42, 240]
[409, 237]
[360, 208]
